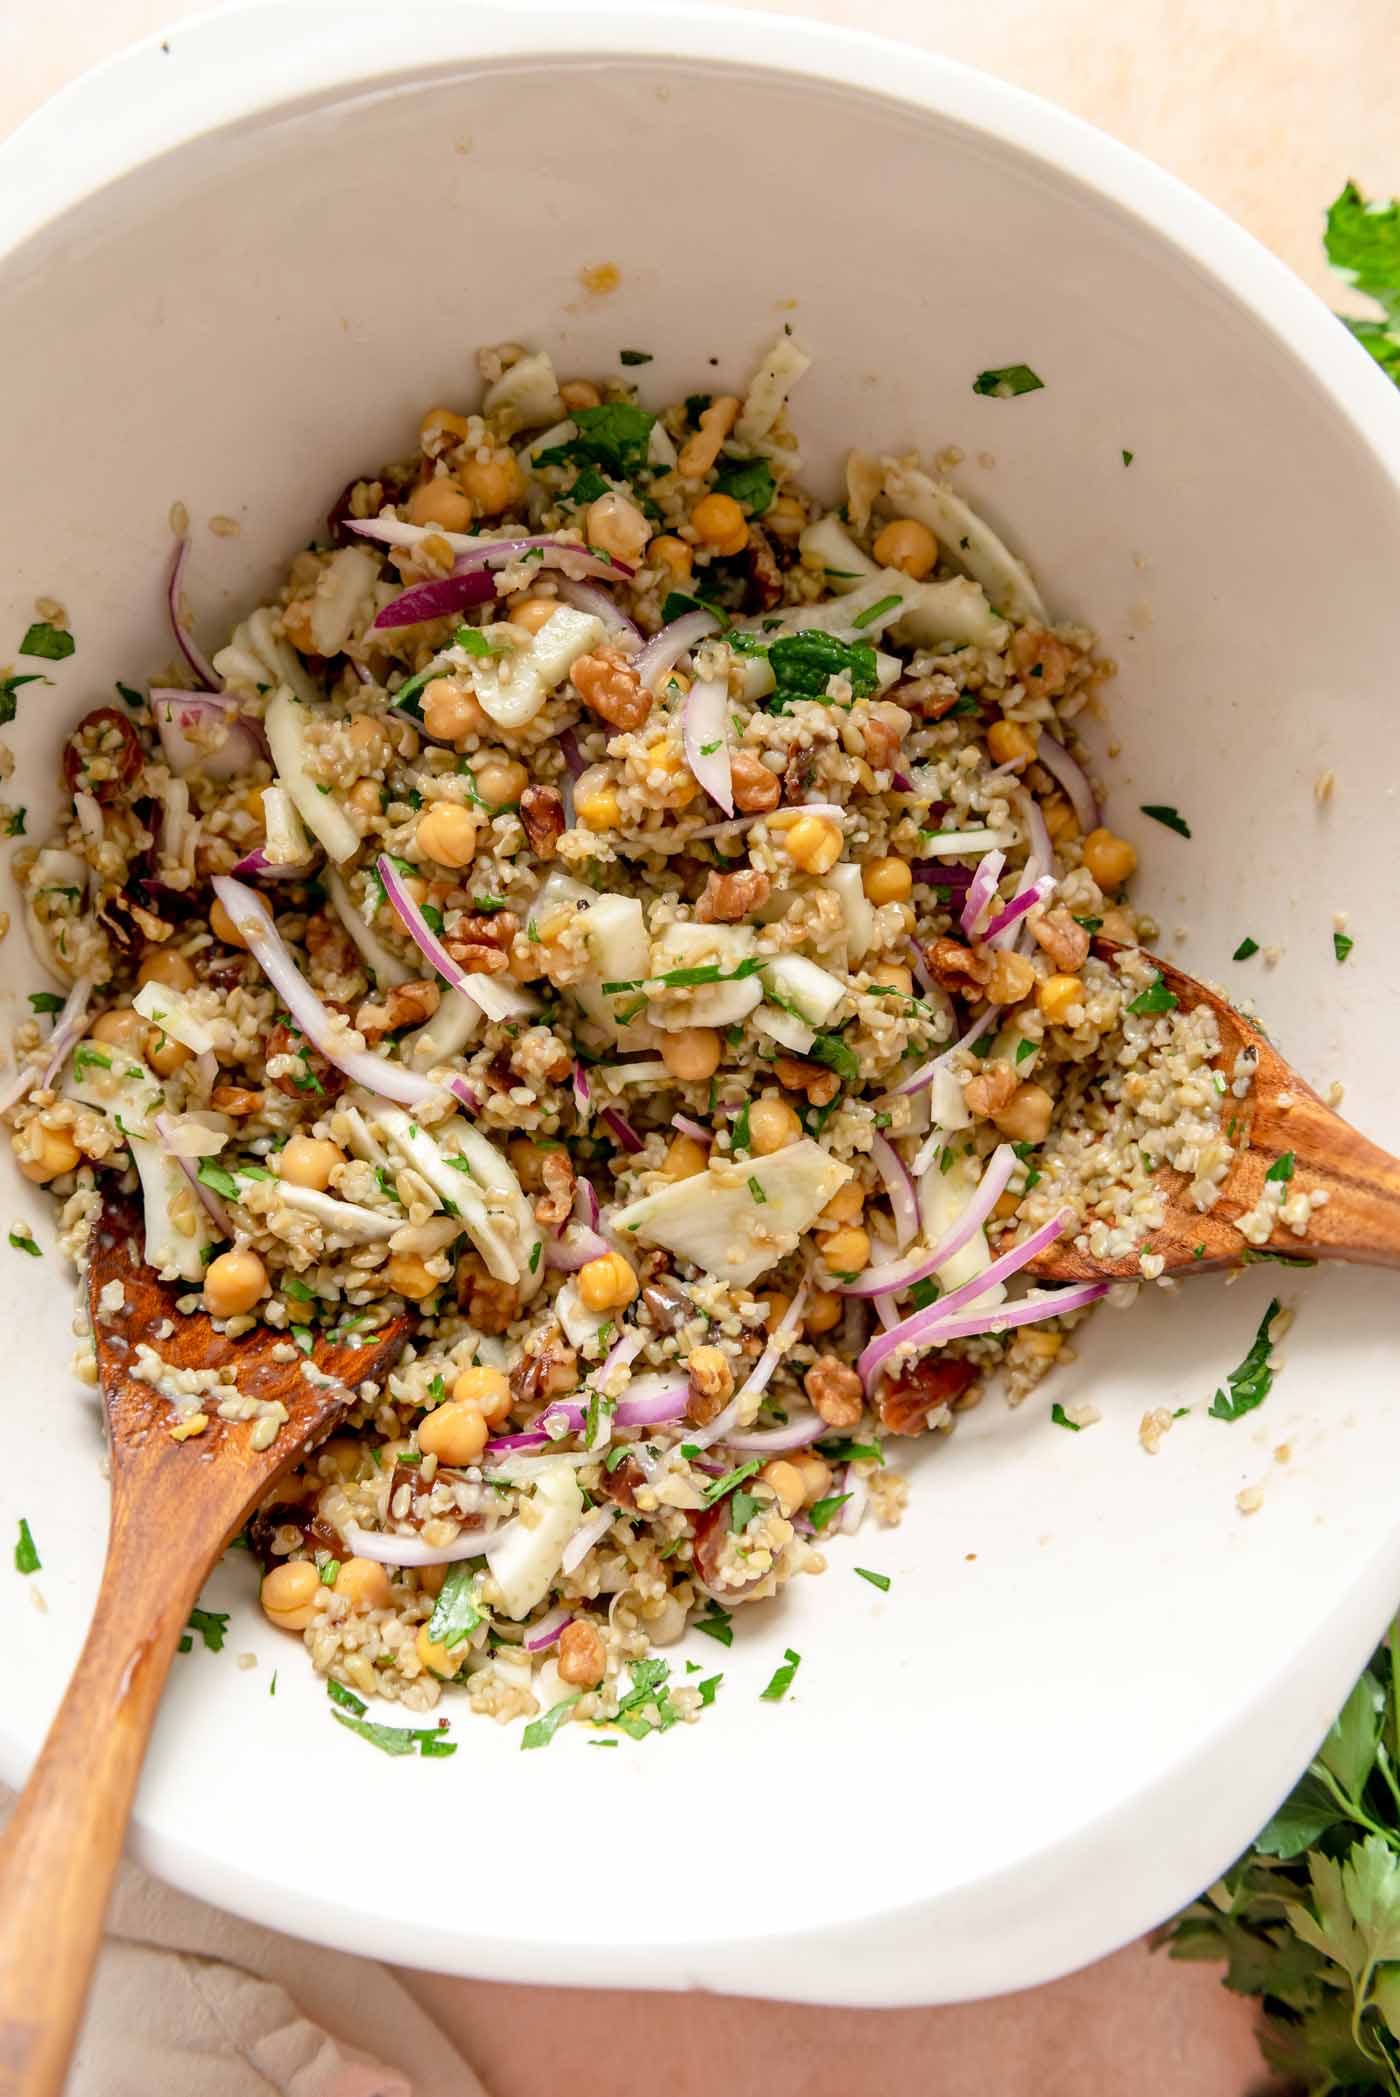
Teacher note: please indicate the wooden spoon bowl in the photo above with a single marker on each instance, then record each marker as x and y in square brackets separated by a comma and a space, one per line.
[1278, 1116]
[175, 1506]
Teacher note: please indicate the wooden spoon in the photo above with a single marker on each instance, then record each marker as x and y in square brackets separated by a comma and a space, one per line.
[1279, 1115]
[175, 1505]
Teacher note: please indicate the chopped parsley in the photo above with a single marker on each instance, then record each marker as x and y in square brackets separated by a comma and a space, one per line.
[630, 356]
[1127, 458]
[832, 1051]
[1245, 949]
[924, 1293]
[14, 823]
[707, 1689]
[821, 1511]
[748, 481]
[330, 1572]
[718, 1487]
[678, 604]
[87, 1058]
[541, 1731]
[739, 1137]
[1341, 945]
[1282, 1168]
[217, 1178]
[51, 643]
[22, 1242]
[45, 1001]
[614, 437]
[1160, 812]
[211, 1625]
[1156, 998]
[27, 1558]
[756, 1189]
[133, 699]
[1006, 381]
[1025, 1049]
[1062, 1419]
[474, 642]
[880, 1580]
[455, 1614]
[848, 1452]
[9, 686]
[781, 1682]
[717, 1625]
[1250, 1384]
[1090, 924]
[1363, 242]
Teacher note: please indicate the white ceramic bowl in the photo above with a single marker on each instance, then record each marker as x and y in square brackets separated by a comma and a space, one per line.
[235, 270]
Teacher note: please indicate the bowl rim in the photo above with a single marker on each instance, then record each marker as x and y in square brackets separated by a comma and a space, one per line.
[121, 117]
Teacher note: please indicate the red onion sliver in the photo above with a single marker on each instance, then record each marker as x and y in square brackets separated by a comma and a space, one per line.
[187, 645]
[586, 1202]
[461, 1090]
[66, 1029]
[688, 1127]
[1029, 1311]
[705, 735]
[903, 1274]
[575, 1246]
[546, 1632]
[586, 597]
[438, 599]
[582, 1096]
[665, 649]
[900, 1188]
[1039, 892]
[206, 1197]
[256, 866]
[622, 1129]
[496, 1000]
[1072, 778]
[770, 1441]
[265, 944]
[901, 782]
[981, 889]
[490, 553]
[923, 1076]
[853, 1513]
[922, 1329]
[175, 711]
[759, 1376]
[583, 1539]
[412, 1551]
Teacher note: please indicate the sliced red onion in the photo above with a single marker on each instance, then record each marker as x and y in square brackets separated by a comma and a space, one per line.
[438, 599]
[176, 712]
[584, 597]
[922, 1330]
[586, 1202]
[745, 822]
[66, 1030]
[265, 944]
[573, 756]
[705, 735]
[412, 1551]
[665, 649]
[209, 1201]
[853, 1513]
[688, 1127]
[546, 1632]
[622, 1128]
[900, 1188]
[981, 889]
[583, 1539]
[498, 1001]
[771, 1441]
[575, 1246]
[656, 1401]
[186, 644]
[1041, 859]
[759, 1377]
[935, 874]
[509, 1444]
[582, 1096]
[472, 553]
[1029, 1311]
[923, 1076]
[1072, 778]
[903, 1274]
[461, 1090]
[1039, 892]
[256, 866]
[901, 782]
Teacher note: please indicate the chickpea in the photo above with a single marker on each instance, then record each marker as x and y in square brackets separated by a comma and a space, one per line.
[438, 1659]
[583, 1658]
[233, 1283]
[847, 1204]
[684, 1158]
[162, 965]
[1010, 743]
[786, 1481]
[893, 976]
[607, 1283]
[430, 1579]
[1119, 926]
[580, 393]
[906, 544]
[252, 804]
[772, 1126]
[1060, 819]
[288, 1594]
[813, 843]
[440, 423]
[887, 880]
[494, 483]
[46, 1153]
[1056, 995]
[121, 1028]
[309, 1161]
[455, 1433]
[366, 797]
[364, 1583]
[223, 927]
[846, 1251]
[488, 1390]
[339, 1458]
[440, 501]
[720, 524]
[824, 1308]
[785, 517]
[1012, 977]
[407, 1273]
[1006, 1206]
[1026, 1116]
[500, 781]
[674, 555]
[692, 1054]
[1111, 860]
[447, 833]
[815, 1474]
[616, 525]
[533, 612]
[451, 712]
[164, 1053]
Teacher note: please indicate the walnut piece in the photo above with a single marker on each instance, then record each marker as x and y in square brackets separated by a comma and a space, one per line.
[611, 688]
[729, 898]
[835, 1391]
[954, 966]
[542, 813]
[405, 1005]
[558, 1197]
[711, 1385]
[756, 789]
[1066, 943]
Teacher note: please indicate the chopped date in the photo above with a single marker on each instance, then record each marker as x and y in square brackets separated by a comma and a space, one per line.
[102, 755]
[907, 1399]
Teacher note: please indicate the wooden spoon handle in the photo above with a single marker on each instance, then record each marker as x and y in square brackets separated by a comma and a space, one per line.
[60, 1851]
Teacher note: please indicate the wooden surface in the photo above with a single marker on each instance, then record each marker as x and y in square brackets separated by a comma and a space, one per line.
[174, 1507]
[1279, 1114]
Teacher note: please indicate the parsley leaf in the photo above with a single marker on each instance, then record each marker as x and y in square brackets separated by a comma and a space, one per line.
[455, 1615]
[821, 1511]
[211, 1625]
[45, 1001]
[1160, 812]
[1363, 241]
[804, 663]
[9, 686]
[51, 643]
[27, 1558]
[218, 1178]
[1282, 1168]
[717, 1625]
[541, 1731]
[1251, 1382]
[630, 356]
[1156, 998]
[749, 481]
[1245, 949]
[880, 1580]
[1127, 458]
[14, 823]
[707, 1689]
[1006, 381]
[718, 1487]
[831, 1050]
[1341, 945]
[22, 1242]
[781, 1682]
[614, 437]
[1062, 1419]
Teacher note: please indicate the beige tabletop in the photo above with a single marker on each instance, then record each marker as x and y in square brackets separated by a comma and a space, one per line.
[1266, 106]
